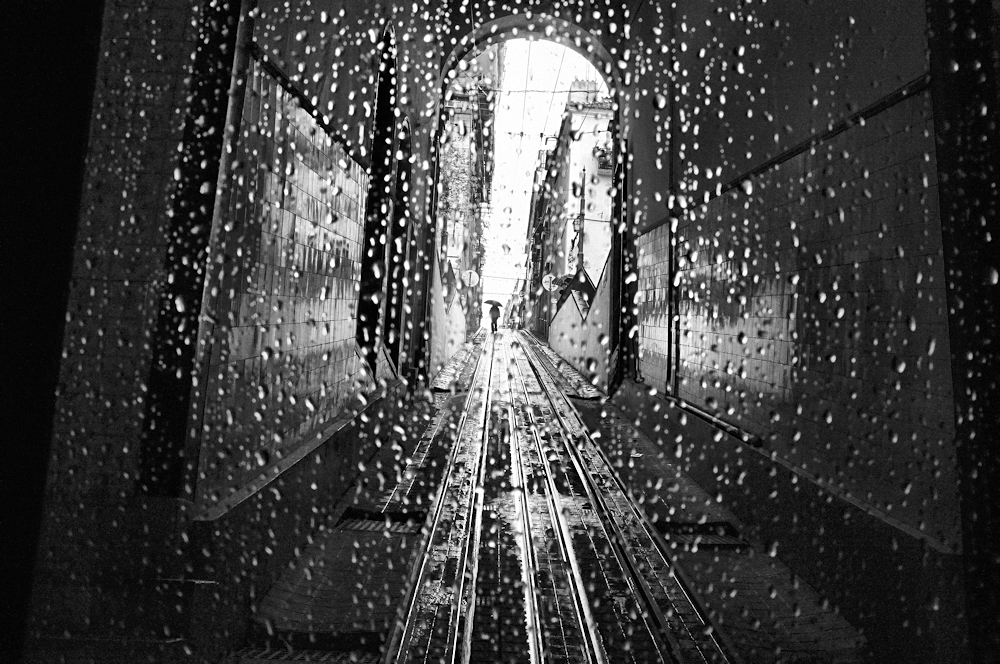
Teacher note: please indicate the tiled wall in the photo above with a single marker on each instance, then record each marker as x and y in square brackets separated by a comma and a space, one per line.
[283, 361]
[652, 299]
[813, 315]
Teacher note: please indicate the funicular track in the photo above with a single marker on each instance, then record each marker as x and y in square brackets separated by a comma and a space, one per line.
[671, 611]
[427, 630]
[534, 551]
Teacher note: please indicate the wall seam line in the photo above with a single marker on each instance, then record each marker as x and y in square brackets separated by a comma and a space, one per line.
[324, 436]
[258, 54]
[916, 86]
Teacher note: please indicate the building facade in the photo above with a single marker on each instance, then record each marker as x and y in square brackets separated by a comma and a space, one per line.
[569, 232]
[466, 178]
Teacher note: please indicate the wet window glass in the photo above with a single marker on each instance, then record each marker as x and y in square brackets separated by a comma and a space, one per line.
[529, 332]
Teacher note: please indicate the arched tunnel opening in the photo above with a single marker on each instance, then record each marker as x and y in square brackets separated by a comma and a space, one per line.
[736, 404]
[541, 238]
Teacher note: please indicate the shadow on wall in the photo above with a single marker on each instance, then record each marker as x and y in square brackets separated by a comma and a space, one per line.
[448, 325]
[582, 340]
[820, 322]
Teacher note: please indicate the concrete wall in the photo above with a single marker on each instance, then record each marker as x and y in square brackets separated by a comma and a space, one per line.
[140, 100]
[875, 576]
[811, 281]
[286, 286]
[119, 257]
[122, 243]
[712, 90]
[812, 295]
[828, 336]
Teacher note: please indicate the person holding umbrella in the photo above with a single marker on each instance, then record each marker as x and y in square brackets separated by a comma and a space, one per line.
[494, 314]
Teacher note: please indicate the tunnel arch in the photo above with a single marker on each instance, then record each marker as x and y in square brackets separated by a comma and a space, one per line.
[544, 27]
[539, 26]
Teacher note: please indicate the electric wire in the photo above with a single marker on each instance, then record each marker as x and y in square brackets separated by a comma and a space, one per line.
[548, 111]
[524, 102]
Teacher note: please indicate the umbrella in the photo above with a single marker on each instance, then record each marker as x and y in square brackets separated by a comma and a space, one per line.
[493, 302]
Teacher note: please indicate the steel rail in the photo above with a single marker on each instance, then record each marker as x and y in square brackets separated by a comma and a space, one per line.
[397, 649]
[588, 624]
[529, 562]
[463, 621]
[666, 645]
[724, 645]
[619, 539]
[457, 618]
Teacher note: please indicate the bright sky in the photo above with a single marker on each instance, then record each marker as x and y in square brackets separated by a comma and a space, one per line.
[536, 81]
